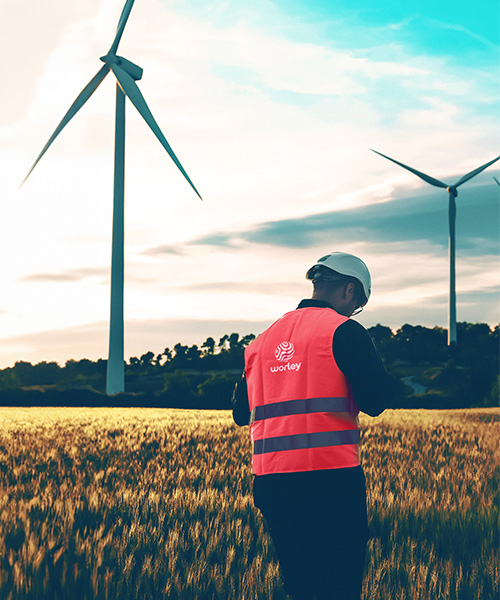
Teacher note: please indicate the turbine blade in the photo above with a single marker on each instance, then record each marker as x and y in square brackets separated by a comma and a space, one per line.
[475, 172]
[423, 176]
[84, 95]
[130, 88]
[121, 25]
[496, 180]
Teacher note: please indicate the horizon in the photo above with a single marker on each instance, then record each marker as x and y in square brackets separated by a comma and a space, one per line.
[217, 339]
[271, 109]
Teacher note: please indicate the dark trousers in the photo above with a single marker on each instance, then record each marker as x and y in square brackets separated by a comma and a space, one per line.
[320, 539]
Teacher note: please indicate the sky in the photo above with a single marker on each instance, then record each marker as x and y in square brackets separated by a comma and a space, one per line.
[272, 108]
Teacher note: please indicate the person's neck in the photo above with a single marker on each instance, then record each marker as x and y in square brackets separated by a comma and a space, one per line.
[333, 300]
[321, 297]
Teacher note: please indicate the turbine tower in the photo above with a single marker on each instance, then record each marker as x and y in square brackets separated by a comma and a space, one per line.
[126, 73]
[452, 211]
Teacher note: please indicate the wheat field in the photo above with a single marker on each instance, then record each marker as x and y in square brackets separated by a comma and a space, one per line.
[146, 503]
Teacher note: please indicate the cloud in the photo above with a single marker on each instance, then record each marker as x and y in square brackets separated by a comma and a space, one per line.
[275, 63]
[163, 249]
[465, 33]
[284, 286]
[100, 275]
[410, 218]
[71, 275]
[50, 277]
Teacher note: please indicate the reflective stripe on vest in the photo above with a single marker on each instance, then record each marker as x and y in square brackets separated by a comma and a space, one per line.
[306, 440]
[303, 416]
[299, 407]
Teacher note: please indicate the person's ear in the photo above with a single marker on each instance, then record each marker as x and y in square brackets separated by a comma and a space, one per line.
[350, 290]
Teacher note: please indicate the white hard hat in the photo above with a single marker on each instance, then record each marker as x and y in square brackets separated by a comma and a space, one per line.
[345, 264]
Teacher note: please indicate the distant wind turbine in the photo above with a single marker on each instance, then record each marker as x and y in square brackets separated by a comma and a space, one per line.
[452, 211]
[498, 182]
[126, 73]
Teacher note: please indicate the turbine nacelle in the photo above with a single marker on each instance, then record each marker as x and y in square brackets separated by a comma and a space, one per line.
[129, 67]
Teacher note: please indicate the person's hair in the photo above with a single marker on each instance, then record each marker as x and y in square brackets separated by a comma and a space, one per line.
[324, 278]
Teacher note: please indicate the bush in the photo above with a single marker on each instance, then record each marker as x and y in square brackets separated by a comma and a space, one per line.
[217, 390]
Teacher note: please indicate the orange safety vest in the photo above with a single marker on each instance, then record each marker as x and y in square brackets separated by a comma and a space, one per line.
[303, 415]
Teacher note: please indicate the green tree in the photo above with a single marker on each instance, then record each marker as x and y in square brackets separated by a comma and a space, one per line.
[193, 354]
[234, 342]
[419, 344]
[84, 367]
[217, 390]
[179, 359]
[247, 339]
[223, 343]
[493, 396]
[178, 389]
[23, 372]
[208, 346]
[9, 379]
[147, 359]
[167, 355]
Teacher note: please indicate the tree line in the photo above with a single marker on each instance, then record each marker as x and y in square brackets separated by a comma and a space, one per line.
[432, 374]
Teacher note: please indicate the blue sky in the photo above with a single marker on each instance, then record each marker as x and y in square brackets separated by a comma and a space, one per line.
[271, 107]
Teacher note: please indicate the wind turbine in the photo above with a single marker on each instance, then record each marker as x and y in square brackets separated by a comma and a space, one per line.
[452, 212]
[126, 73]
[498, 182]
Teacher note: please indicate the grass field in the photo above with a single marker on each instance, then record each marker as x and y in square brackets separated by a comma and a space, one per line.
[142, 503]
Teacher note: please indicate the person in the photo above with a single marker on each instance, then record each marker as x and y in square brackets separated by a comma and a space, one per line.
[306, 378]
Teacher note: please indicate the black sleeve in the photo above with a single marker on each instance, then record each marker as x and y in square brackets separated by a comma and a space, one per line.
[359, 360]
[241, 408]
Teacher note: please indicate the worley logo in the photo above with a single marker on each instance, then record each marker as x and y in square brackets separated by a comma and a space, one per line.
[283, 353]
